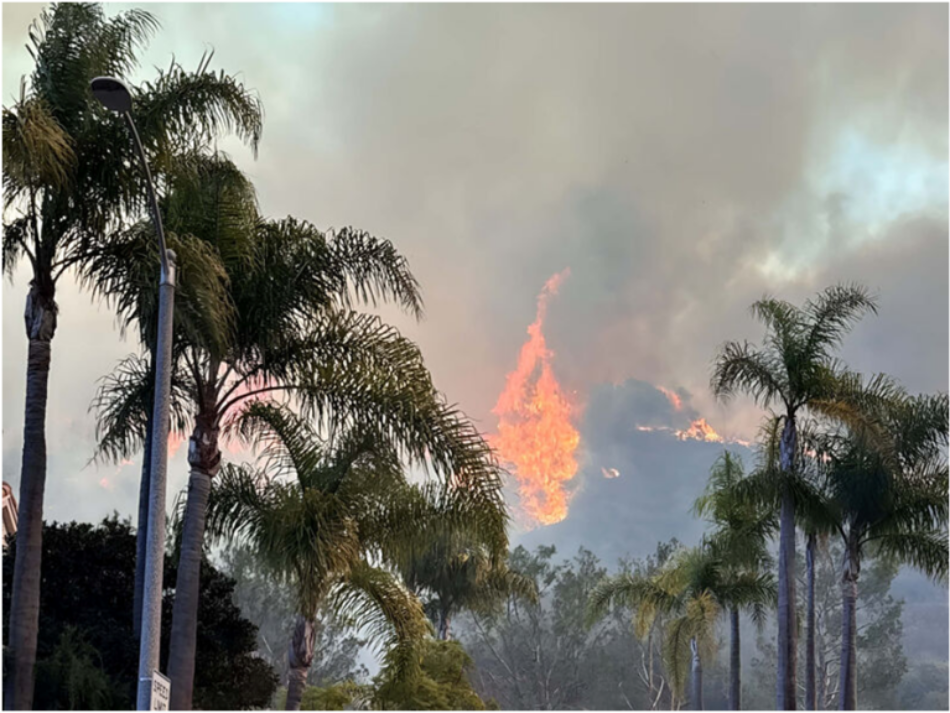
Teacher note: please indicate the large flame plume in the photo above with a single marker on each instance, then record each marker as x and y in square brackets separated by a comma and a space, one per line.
[535, 434]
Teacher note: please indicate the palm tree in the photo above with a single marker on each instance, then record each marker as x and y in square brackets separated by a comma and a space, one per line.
[896, 506]
[317, 514]
[208, 202]
[694, 588]
[741, 534]
[764, 488]
[295, 337]
[68, 185]
[796, 370]
[458, 572]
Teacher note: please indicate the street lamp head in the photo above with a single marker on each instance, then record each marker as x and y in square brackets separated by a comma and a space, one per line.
[113, 94]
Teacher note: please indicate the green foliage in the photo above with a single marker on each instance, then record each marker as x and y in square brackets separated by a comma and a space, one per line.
[271, 605]
[68, 189]
[72, 677]
[541, 655]
[443, 684]
[796, 365]
[87, 654]
[314, 517]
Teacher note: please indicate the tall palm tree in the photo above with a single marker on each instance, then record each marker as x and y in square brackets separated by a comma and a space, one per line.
[295, 337]
[740, 537]
[318, 513]
[694, 588]
[68, 185]
[896, 507]
[796, 370]
[208, 202]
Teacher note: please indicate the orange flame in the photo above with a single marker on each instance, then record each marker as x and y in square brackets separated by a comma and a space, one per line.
[673, 398]
[701, 431]
[535, 433]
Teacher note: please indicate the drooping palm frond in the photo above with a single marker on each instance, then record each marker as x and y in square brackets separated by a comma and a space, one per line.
[754, 591]
[741, 367]
[181, 108]
[647, 596]
[349, 369]
[125, 275]
[306, 536]
[374, 270]
[394, 618]
[123, 404]
[37, 152]
[925, 551]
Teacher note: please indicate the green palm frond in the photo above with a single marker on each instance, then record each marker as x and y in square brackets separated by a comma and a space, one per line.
[124, 274]
[375, 270]
[37, 151]
[306, 536]
[748, 590]
[350, 369]
[181, 109]
[832, 314]
[676, 652]
[123, 405]
[393, 617]
[740, 367]
[649, 595]
[926, 551]
[795, 364]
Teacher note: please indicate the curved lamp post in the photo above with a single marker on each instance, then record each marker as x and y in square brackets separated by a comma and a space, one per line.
[115, 96]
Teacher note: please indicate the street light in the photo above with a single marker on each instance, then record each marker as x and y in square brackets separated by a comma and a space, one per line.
[114, 95]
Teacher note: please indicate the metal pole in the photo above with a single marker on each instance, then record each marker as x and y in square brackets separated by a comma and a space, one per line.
[151, 637]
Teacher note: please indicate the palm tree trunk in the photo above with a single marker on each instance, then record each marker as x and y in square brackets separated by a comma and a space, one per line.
[787, 630]
[735, 663]
[25, 597]
[204, 457]
[811, 688]
[696, 695]
[141, 532]
[443, 633]
[848, 688]
[300, 657]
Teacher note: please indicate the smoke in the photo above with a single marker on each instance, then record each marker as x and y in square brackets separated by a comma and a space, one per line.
[682, 159]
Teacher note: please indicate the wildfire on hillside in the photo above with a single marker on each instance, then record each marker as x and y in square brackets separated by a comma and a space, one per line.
[673, 397]
[536, 436]
[701, 431]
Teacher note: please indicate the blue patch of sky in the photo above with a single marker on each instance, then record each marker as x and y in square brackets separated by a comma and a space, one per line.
[882, 182]
[300, 16]
[851, 194]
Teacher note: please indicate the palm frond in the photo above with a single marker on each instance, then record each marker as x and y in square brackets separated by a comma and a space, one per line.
[123, 405]
[832, 315]
[375, 270]
[925, 551]
[181, 109]
[740, 367]
[395, 619]
[37, 152]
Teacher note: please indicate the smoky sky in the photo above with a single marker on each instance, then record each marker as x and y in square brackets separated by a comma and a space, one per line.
[681, 160]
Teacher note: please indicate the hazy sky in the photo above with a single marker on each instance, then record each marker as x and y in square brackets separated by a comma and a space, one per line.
[680, 160]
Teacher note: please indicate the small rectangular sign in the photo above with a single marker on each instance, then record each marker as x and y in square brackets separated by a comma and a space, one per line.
[161, 692]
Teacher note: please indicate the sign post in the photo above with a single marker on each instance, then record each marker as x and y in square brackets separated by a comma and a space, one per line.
[161, 692]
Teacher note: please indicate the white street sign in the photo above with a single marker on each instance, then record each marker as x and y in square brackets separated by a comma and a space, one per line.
[161, 691]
